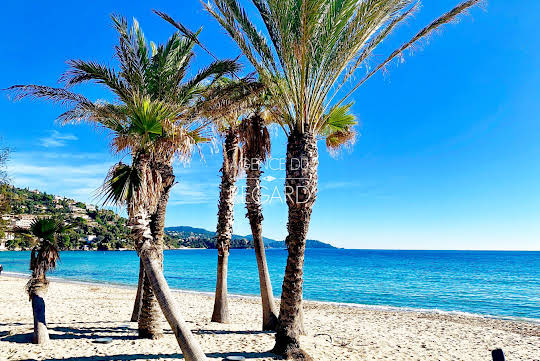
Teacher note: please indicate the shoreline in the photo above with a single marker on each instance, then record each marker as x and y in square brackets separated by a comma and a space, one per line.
[368, 307]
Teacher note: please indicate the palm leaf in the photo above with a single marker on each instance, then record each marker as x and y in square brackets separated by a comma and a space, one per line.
[338, 128]
[120, 184]
[56, 95]
[80, 71]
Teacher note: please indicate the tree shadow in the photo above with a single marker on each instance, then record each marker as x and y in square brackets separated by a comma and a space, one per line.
[92, 330]
[91, 333]
[102, 322]
[18, 338]
[115, 358]
[247, 355]
[15, 324]
[69, 333]
[134, 357]
[230, 332]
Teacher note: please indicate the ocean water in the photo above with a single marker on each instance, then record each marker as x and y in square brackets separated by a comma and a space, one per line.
[505, 284]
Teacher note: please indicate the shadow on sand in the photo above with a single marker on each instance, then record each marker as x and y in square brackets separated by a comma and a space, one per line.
[135, 357]
[67, 333]
[120, 333]
[229, 332]
[15, 324]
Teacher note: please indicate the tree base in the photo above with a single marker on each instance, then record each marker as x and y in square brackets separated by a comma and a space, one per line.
[40, 339]
[145, 334]
[290, 349]
[219, 318]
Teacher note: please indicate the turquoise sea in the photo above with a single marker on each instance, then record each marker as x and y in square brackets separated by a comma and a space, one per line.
[505, 284]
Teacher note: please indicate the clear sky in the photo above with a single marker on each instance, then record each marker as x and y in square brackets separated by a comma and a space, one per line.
[448, 156]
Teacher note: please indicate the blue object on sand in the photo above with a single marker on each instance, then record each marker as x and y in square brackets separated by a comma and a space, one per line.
[235, 358]
[498, 355]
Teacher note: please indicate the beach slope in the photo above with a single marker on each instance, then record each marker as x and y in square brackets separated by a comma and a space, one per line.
[78, 314]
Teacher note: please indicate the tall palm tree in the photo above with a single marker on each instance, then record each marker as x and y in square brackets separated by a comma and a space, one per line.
[255, 140]
[153, 119]
[226, 103]
[311, 52]
[227, 190]
[45, 254]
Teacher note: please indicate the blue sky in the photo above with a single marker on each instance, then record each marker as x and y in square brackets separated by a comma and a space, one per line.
[448, 156]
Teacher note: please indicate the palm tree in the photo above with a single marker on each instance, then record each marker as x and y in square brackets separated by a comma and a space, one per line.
[45, 254]
[154, 120]
[311, 51]
[229, 173]
[255, 140]
[226, 103]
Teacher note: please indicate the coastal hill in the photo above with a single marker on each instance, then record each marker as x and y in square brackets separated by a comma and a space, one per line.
[91, 227]
[95, 228]
[205, 239]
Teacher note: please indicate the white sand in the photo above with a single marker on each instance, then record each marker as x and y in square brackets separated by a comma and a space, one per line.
[77, 314]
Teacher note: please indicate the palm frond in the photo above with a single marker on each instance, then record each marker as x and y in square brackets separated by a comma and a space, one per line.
[229, 99]
[211, 73]
[131, 51]
[168, 67]
[56, 95]
[450, 17]
[80, 71]
[315, 47]
[45, 253]
[119, 185]
[338, 119]
[227, 21]
[336, 141]
[338, 128]
[193, 36]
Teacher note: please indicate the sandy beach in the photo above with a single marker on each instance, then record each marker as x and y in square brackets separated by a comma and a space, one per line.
[77, 314]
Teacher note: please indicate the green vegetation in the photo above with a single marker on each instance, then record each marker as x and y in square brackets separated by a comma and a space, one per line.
[90, 227]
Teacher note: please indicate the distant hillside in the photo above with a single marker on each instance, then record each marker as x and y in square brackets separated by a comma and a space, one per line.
[90, 226]
[97, 228]
[310, 243]
[201, 238]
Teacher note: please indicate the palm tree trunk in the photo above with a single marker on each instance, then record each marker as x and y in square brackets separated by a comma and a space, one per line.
[221, 304]
[149, 323]
[255, 216]
[151, 256]
[149, 319]
[41, 334]
[301, 192]
[225, 224]
[138, 299]
[191, 350]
